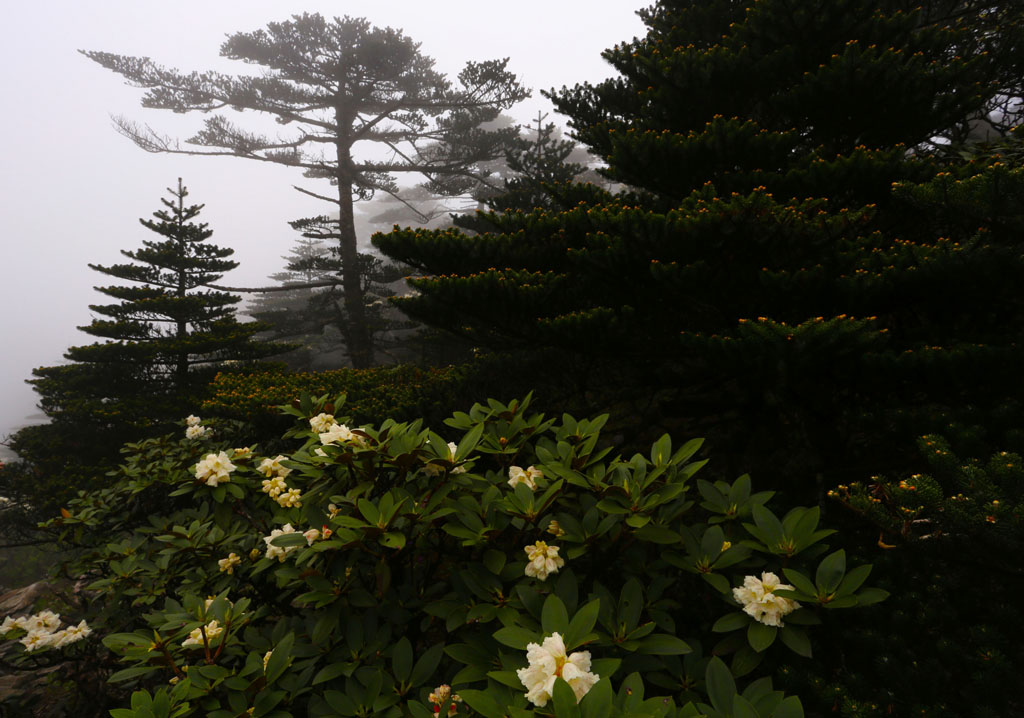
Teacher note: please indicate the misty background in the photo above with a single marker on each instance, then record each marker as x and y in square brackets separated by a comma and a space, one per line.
[73, 189]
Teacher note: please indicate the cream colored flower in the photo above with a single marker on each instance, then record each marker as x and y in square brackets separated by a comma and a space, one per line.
[760, 602]
[227, 565]
[548, 663]
[290, 498]
[10, 623]
[195, 638]
[215, 469]
[274, 486]
[192, 420]
[333, 510]
[195, 432]
[71, 634]
[44, 621]
[544, 560]
[322, 423]
[320, 452]
[339, 433]
[555, 529]
[36, 639]
[279, 552]
[311, 535]
[243, 453]
[273, 467]
[518, 475]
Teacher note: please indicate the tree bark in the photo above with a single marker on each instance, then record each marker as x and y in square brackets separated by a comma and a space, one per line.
[358, 336]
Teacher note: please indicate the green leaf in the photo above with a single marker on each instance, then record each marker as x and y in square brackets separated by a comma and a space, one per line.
[830, 572]
[129, 673]
[662, 644]
[854, 580]
[760, 636]
[393, 539]
[515, 637]
[292, 539]
[553, 617]
[597, 703]
[789, 708]
[800, 582]
[401, 660]
[426, 665]
[582, 624]
[731, 622]
[483, 704]
[564, 700]
[742, 708]
[469, 442]
[720, 685]
[658, 535]
[796, 639]
[871, 595]
[328, 672]
[279, 658]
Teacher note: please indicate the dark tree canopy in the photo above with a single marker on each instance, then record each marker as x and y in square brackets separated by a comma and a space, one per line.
[764, 253]
[338, 86]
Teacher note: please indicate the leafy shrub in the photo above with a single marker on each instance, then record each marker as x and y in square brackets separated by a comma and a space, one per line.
[372, 568]
[402, 391]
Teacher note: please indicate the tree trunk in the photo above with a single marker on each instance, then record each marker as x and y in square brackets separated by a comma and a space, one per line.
[358, 335]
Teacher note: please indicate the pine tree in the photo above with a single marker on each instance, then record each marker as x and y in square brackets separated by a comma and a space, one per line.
[763, 267]
[812, 268]
[166, 337]
[344, 85]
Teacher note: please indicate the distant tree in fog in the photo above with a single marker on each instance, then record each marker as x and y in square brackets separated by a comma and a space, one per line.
[340, 85]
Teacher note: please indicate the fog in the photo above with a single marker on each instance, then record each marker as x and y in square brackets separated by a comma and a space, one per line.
[73, 189]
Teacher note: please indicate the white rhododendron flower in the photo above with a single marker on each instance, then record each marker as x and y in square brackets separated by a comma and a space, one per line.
[273, 467]
[71, 634]
[548, 663]
[555, 529]
[227, 565]
[195, 432]
[44, 621]
[192, 420]
[195, 638]
[544, 560]
[322, 423]
[36, 639]
[279, 552]
[311, 536]
[41, 630]
[244, 453]
[760, 602]
[339, 433]
[290, 498]
[518, 475]
[10, 623]
[215, 469]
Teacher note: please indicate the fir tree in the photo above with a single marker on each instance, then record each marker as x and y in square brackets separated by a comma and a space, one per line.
[808, 270]
[344, 85]
[166, 337]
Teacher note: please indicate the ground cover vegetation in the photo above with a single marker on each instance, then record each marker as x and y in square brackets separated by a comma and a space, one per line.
[387, 570]
[812, 258]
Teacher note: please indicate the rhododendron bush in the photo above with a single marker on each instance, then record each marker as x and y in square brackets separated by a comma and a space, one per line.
[506, 564]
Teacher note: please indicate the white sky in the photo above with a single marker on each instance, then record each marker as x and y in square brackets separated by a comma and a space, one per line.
[72, 189]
